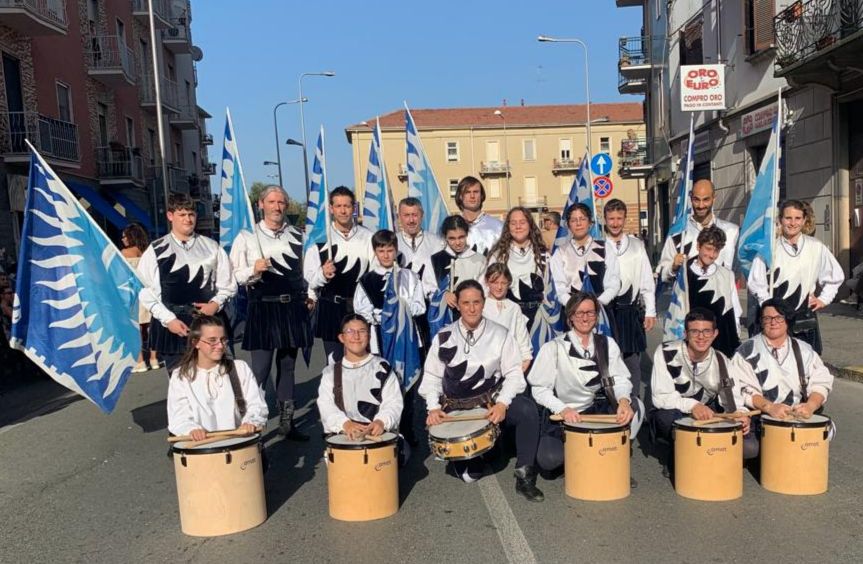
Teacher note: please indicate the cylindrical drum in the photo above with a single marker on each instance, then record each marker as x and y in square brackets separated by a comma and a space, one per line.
[220, 486]
[794, 455]
[362, 477]
[708, 460]
[597, 461]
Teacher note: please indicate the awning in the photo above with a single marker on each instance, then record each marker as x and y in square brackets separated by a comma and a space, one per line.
[130, 210]
[90, 198]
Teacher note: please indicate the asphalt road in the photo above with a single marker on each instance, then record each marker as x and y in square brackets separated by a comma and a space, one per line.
[77, 485]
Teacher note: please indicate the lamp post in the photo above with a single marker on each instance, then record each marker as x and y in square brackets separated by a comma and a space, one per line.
[499, 114]
[547, 39]
[303, 122]
[276, 128]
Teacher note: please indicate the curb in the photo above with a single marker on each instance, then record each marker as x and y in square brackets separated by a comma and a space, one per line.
[853, 373]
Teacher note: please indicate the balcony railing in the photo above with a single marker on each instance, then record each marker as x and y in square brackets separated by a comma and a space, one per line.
[110, 57]
[35, 17]
[634, 158]
[207, 139]
[208, 168]
[119, 163]
[489, 168]
[402, 172]
[168, 91]
[539, 202]
[630, 85]
[634, 56]
[161, 12]
[176, 37]
[186, 116]
[561, 165]
[805, 29]
[53, 138]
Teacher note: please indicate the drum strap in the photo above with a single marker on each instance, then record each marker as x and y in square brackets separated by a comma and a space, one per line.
[725, 385]
[798, 358]
[338, 393]
[238, 392]
[601, 343]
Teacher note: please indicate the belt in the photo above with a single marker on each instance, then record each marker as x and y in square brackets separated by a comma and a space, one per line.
[183, 309]
[334, 299]
[282, 298]
[485, 399]
[530, 304]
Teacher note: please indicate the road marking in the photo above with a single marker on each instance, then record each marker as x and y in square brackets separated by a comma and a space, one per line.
[508, 530]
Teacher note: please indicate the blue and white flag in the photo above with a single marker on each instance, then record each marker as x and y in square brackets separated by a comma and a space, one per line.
[603, 322]
[674, 327]
[758, 232]
[401, 343]
[548, 321]
[683, 207]
[317, 211]
[377, 209]
[235, 208]
[421, 180]
[439, 314]
[76, 299]
[581, 191]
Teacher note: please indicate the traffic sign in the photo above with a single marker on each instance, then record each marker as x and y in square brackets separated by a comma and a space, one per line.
[602, 187]
[600, 164]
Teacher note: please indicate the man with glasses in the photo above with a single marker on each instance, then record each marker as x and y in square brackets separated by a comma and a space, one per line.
[692, 379]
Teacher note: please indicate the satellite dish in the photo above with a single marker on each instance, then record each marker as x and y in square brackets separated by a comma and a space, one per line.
[197, 54]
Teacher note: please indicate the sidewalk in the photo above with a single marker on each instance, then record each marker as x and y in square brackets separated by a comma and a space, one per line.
[842, 336]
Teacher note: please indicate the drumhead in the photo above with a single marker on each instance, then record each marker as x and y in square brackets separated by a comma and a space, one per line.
[230, 443]
[814, 421]
[460, 429]
[344, 442]
[595, 428]
[688, 423]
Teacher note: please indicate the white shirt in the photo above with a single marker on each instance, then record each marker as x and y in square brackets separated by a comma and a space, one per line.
[278, 246]
[690, 248]
[415, 250]
[362, 383]
[567, 264]
[208, 402]
[484, 232]
[636, 276]
[678, 383]
[508, 313]
[352, 247]
[467, 265]
[409, 289]
[719, 281]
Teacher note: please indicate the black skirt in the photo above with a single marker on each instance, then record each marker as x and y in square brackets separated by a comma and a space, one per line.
[276, 325]
[629, 329]
[328, 317]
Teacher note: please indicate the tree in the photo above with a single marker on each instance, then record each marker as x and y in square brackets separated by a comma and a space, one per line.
[296, 211]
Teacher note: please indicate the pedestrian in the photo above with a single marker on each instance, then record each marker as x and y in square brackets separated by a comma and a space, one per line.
[135, 242]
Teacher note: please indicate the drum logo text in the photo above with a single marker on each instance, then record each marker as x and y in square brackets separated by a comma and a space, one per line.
[812, 444]
[248, 462]
[604, 450]
[713, 450]
[380, 465]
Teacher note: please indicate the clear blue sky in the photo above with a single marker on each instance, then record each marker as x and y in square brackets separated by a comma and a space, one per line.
[432, 54]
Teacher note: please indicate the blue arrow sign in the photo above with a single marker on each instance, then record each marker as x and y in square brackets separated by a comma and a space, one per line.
[600, 164]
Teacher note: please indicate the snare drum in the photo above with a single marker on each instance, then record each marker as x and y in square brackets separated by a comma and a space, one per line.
[794, 455]
[220, 486]
[362, 477]
[708, 460]
[597, 461]
[463, 440]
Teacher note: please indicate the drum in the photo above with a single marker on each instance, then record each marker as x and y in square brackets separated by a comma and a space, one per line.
[220, 486]
[597, 461]
[794, 455]
[708, 460]
[362, 477]
[463, 440]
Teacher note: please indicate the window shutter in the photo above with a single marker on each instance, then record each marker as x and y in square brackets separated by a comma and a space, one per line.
[763, 11]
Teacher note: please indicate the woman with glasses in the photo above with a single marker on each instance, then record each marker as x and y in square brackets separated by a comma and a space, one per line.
[209, 390]
[581, 372]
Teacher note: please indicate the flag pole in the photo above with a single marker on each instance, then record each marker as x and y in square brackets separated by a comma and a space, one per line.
[423, 151]
[387, 200]
[326, 191]
[687, 195]
[248, 201]
[774, 201]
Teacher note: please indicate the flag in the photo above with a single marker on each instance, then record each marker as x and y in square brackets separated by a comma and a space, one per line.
[603, 322]
[316, 211]
[683, 207]
[439, 314]
[235, 208]
[581, 191]
[401, 343]
[674, 327]
[548, 320]
[421, 180]
[76, 299]
[377, 209]
[757, 231]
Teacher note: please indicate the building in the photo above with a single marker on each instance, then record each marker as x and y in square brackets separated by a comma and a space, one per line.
[810, 50]
[77, 82]
[524, 155]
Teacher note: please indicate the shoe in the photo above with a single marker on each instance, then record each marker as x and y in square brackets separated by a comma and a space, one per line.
[633, 483]
[287, 428]
[464, 471]
[155, 365]
[140, 368]
[525, 484]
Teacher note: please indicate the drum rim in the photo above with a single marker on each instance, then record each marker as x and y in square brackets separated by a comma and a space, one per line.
[209, 449]
[358, 446]
[738, 426]
[462, 438]
[797, 423]
[600, 431]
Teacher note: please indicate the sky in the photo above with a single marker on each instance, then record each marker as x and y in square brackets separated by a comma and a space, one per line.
[431, 54]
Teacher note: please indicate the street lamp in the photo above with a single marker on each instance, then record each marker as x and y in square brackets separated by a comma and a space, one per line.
[499, 114]
[293, 142]
[547, 39]
[269, 163]
[276, 127]
[303, 122]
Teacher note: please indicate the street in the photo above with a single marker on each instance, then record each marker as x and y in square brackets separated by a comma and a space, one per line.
[77, 485]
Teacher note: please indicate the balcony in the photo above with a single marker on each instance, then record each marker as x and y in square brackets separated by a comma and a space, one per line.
[633, 61]
[634, 158]
[168, 91]
[207, 139]
[565, 165]
[534, 202]
[161, 12]
[627, 85]
[117, 164]
[207, 168]
[35, 17]
[186, 117]
[493, 168]
[53, 138]
[176, 38]
[818, 40]
[110, 61]
[402, 172]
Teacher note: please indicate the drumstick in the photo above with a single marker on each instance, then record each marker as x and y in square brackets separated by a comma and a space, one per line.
[206, 441]
[477, 417]
[737, 414]
[219, 434]
[589, 418]
[710, 421]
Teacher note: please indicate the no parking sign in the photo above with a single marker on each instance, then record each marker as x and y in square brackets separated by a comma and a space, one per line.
[602, 187]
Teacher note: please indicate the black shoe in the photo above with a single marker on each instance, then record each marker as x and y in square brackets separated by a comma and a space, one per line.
[633, 483]
[525, 484]
[287, 428]
[666, 472]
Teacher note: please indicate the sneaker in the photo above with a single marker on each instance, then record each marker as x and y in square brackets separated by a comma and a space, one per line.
[155, 365]
[140, 368]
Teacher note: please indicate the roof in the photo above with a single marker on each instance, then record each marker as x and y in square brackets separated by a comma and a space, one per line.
[525, 116]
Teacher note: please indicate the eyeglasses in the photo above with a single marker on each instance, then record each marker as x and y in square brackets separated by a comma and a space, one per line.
[700, 332]
[355, 332]
[213, 342]
[769, 319]
[584, 314]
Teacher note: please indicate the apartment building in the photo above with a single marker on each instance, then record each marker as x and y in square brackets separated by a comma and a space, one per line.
[524, 155]
[77, 82]
[808, 49]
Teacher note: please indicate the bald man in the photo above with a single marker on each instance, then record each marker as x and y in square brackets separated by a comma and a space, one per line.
[673, 255]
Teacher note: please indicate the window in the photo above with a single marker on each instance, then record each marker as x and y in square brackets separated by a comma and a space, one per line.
[492, 151]
[494, 188]
[130, 132]
[528, 150]
[93, 14]
[452, 151]
[605, 144]
[121, 31]
[758, 25]
[151, 145]
[530, 193]
[453, 185]
[193, 168]
[565, 149]
[178, 154]
[102, 113]
[565, 184]
[691, 48]
[64, 102]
